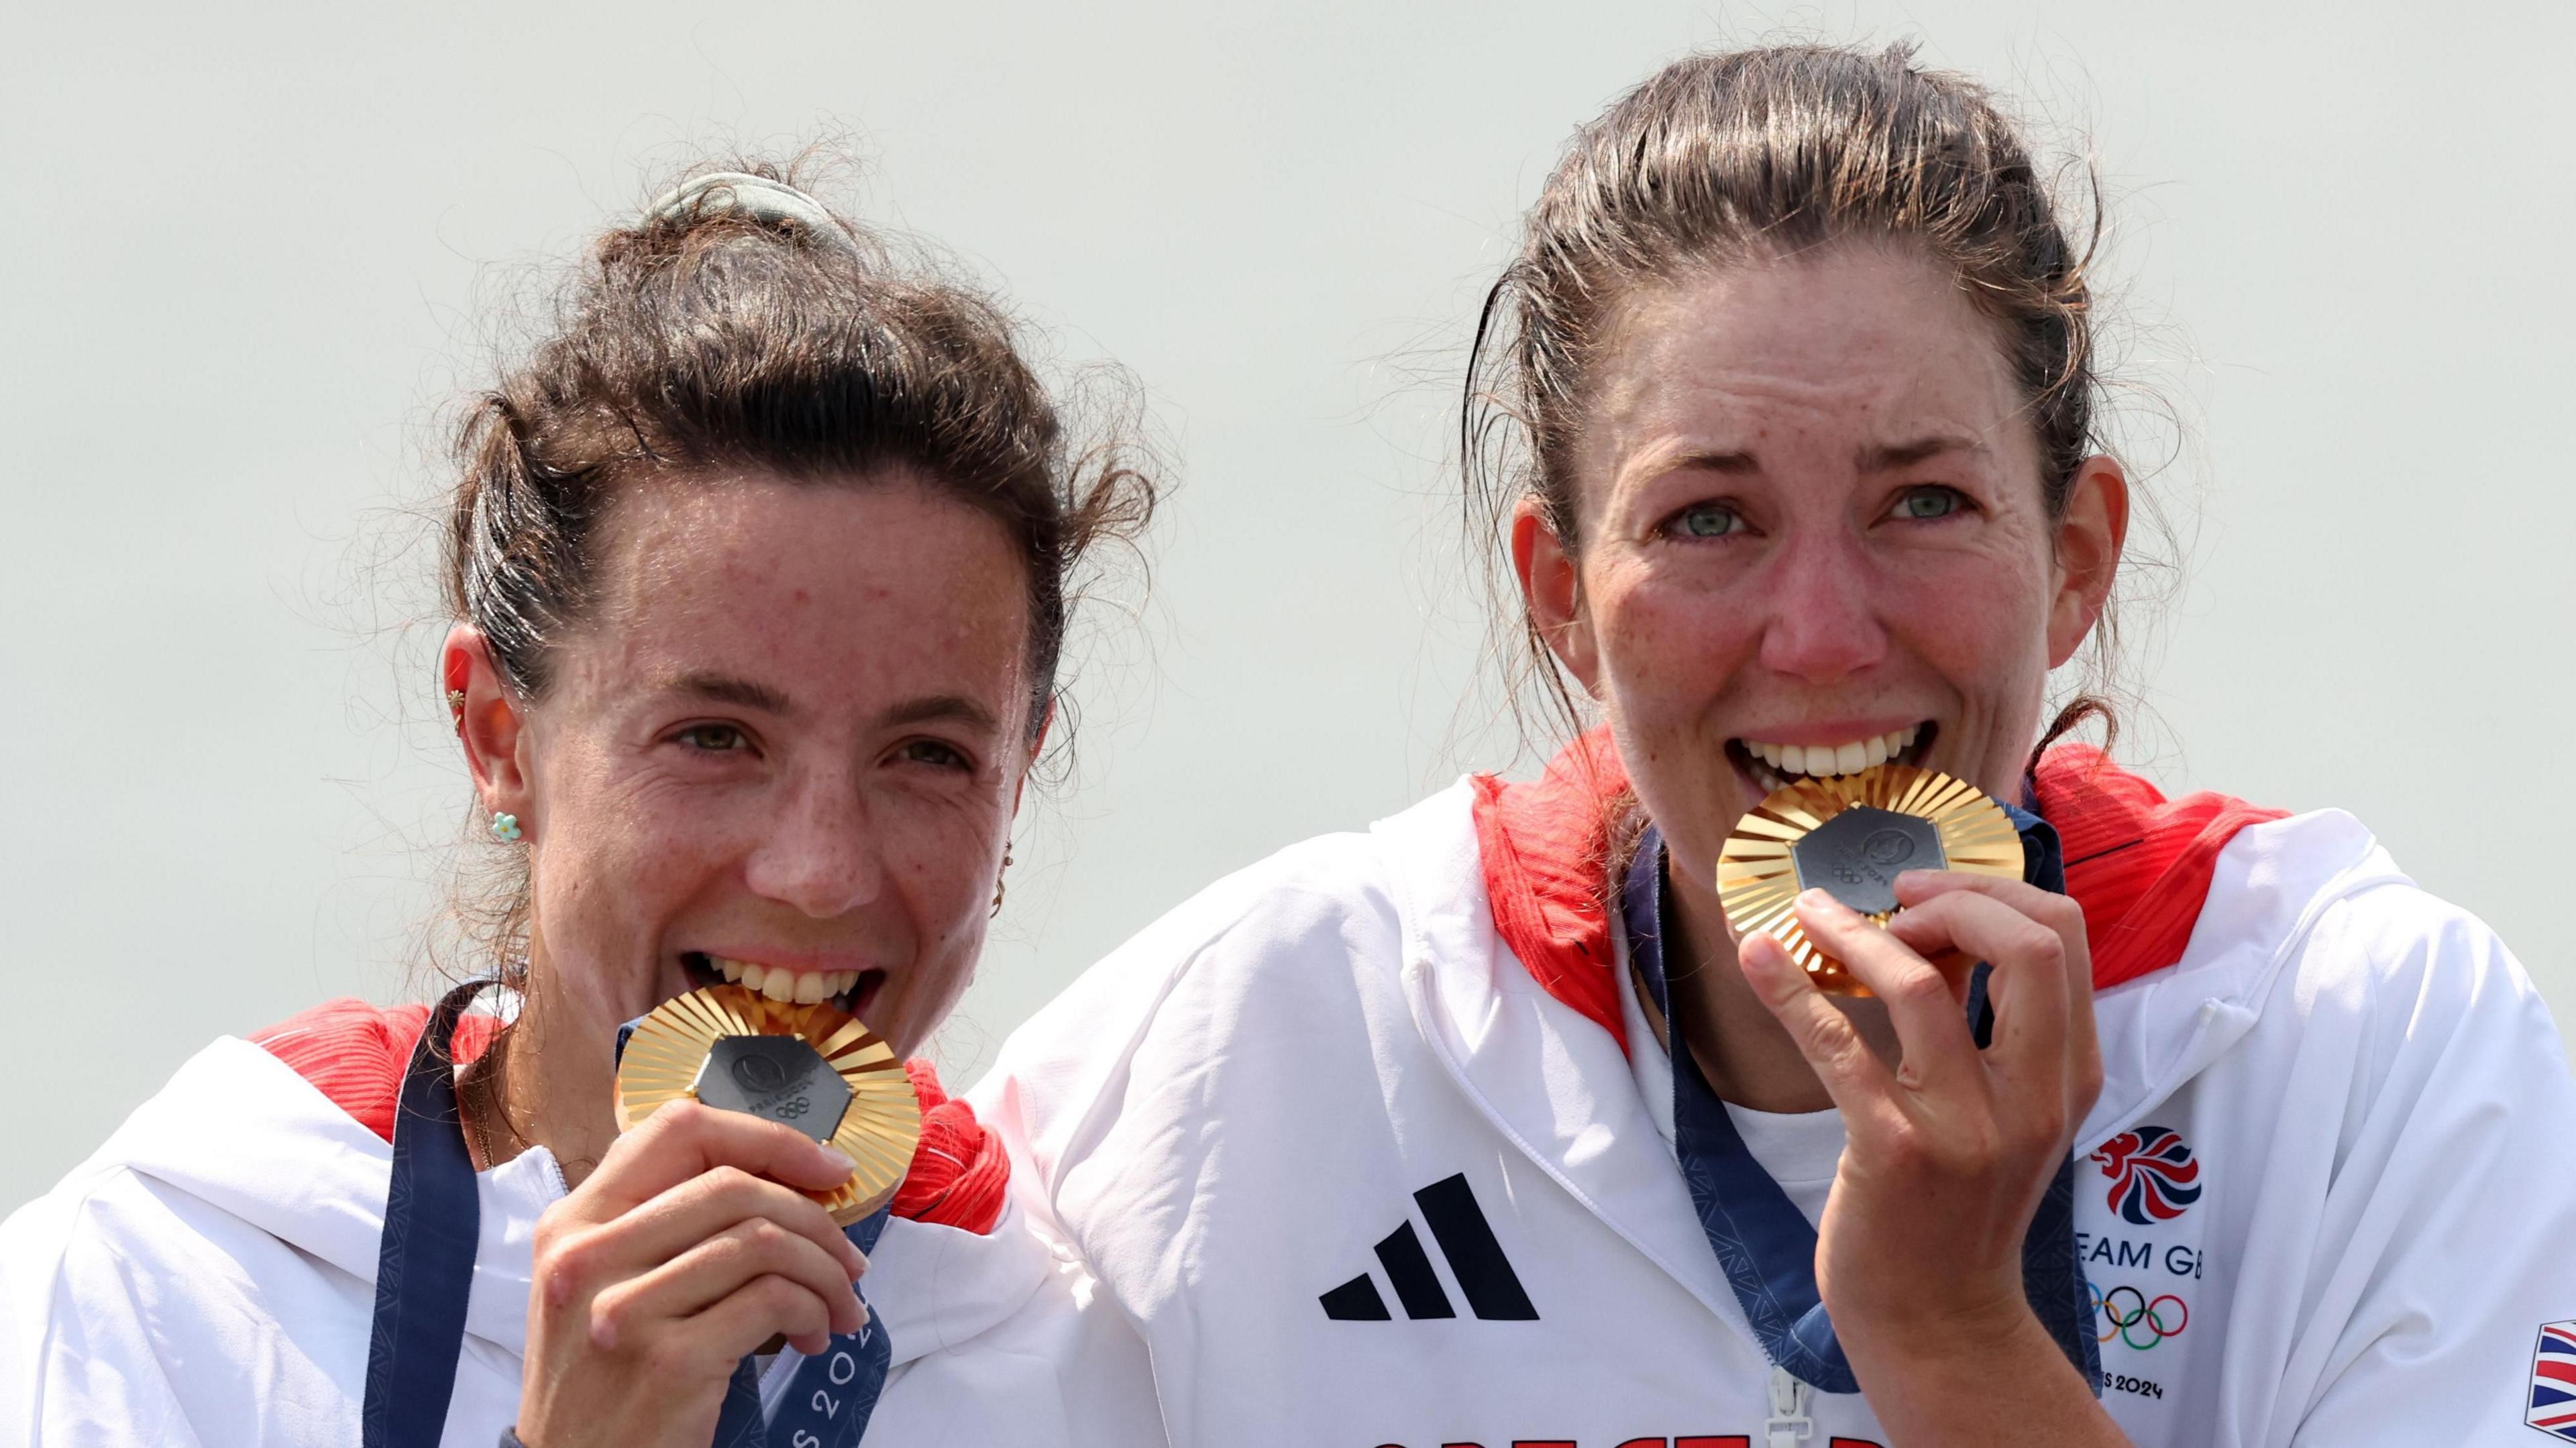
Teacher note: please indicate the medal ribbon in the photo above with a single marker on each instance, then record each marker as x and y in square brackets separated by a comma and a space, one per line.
[1764, 1244]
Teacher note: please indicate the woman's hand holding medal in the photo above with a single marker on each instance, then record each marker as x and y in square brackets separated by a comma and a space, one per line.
[1951, 1149]
[688, 1248]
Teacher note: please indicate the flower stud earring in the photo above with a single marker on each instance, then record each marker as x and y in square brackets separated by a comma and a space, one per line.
[505, 825]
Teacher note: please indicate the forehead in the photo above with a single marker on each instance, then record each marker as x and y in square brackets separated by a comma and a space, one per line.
[839, 592]
[1859, 345]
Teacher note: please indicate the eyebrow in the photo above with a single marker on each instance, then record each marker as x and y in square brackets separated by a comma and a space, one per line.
[751, 694]
[727, 689]
[949, 707]
[1732, 460]
[1905, 455]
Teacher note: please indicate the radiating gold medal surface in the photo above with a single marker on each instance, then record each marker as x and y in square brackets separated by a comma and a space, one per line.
[879, 1128]
[1770, 858]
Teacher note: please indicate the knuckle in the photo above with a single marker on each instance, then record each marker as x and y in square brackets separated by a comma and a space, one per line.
[612, 1316]
[728, 1183]
[1919, 988]
[2041, 1131]
[2039, 945]
[1970, 1152]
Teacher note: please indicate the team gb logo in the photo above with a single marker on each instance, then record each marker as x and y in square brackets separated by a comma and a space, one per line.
[2153, 1175]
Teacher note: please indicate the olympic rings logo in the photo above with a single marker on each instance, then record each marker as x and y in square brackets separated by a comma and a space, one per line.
[2129, 1314]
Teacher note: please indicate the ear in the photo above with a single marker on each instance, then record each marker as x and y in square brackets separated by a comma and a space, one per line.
[2089, 539]
[1552, 590]
[1037, 747]
[490, 726]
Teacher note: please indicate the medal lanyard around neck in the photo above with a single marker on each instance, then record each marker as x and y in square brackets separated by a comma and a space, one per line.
[1764, 1244]
[425, 1274]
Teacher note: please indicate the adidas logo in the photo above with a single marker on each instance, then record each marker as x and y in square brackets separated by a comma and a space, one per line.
[1466, 1242]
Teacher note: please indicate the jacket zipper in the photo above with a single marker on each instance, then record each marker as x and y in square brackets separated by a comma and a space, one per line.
[1789, 1421]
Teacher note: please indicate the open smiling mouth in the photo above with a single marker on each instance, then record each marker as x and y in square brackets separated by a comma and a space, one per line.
[847, 990]
[1771, 766]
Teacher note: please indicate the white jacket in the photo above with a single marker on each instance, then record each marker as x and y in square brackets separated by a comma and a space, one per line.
[208, 1277]
[1275, 1094]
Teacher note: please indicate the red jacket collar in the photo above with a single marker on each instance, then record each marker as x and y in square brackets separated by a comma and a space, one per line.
[354, 1053]
[2137, 863]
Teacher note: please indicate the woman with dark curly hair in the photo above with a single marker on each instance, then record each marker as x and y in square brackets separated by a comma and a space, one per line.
[759, 564]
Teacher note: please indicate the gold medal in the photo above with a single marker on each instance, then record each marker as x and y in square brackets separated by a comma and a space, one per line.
[1850, 836]
[812, 1067]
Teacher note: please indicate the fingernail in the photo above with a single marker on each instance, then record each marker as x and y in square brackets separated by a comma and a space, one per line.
[1817, 899]
[858, 1262]
[835, 1159]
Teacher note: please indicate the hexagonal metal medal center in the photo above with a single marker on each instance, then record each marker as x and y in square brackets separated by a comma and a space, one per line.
[776, 1078]
[1857, 855]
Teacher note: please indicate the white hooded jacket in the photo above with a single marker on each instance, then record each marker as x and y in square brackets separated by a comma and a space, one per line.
[208, 1277]
[1355, 1178]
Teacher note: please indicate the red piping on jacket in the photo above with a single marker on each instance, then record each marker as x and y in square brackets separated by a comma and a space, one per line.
[2138, 863]
[354, 1053]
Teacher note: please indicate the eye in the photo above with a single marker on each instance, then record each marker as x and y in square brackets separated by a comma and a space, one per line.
[714, 738]
[934, 754]
[1927, 503]
[1705, 520]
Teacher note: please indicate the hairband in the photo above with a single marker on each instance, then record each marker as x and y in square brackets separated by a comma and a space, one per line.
[757, 197]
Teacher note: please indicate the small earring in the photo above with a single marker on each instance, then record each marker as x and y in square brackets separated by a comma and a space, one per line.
[456, 708]
[505, 825]
[998, 881]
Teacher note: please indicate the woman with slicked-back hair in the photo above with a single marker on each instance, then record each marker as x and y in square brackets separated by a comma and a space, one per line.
[1824, 1050]
[759, 562]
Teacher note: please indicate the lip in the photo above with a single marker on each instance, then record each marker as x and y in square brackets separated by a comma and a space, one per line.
[1832, 731]
[794, 962]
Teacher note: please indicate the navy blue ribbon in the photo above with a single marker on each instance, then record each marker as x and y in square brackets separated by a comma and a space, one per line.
[425, 1260]
[1764, 1244]
[425, 1275]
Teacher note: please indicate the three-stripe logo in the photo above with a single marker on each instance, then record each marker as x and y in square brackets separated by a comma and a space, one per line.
[1466, 1242]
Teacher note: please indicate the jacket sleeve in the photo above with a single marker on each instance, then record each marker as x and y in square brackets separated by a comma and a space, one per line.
[2447, 1237]
[78, 1364]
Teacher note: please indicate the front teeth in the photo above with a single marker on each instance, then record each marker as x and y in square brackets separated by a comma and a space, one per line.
[1829, 759]
[802, 987]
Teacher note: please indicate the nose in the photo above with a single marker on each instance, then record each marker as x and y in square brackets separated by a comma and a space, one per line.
[822, 854]
[1824, 621]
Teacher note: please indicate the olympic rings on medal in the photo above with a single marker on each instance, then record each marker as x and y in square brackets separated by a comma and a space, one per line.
[2139, 1314]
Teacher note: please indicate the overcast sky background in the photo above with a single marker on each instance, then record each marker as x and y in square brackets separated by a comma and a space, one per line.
[247, 254]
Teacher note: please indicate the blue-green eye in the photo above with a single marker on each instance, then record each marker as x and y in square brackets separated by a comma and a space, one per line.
[1923, 504]
[1707, 520]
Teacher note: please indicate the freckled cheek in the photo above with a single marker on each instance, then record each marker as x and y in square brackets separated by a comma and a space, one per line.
[628, 869]
[1982, 635]
[1665, 652]
[946, 879]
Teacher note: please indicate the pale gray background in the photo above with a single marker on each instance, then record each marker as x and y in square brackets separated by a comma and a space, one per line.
[244, 251]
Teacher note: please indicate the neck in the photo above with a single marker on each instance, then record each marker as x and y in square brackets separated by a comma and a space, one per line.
[547, 1081]
[1748, 1057]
